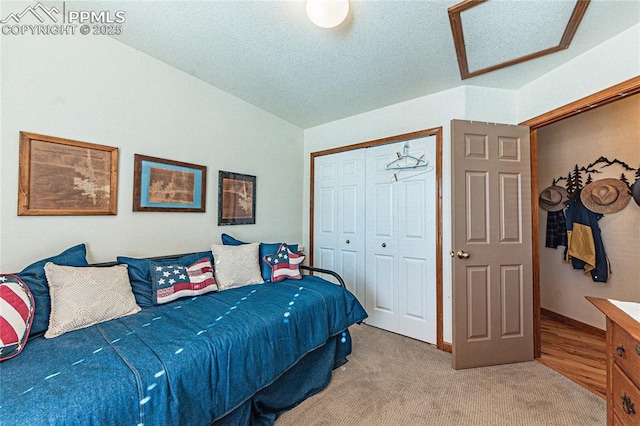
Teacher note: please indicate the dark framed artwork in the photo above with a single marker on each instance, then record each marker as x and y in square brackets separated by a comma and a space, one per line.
[63, 177]
[161, 185]
[236, 199]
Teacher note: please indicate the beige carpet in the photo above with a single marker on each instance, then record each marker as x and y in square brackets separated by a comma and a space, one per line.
[394, 380]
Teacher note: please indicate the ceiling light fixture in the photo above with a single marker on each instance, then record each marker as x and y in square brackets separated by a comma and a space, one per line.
[327, 13]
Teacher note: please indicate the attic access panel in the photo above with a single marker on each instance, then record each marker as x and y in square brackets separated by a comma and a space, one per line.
[490, 35]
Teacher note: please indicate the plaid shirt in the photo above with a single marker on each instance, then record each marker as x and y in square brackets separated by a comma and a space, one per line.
[556, 229]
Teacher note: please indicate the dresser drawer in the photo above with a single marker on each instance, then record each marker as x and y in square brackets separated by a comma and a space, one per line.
[626, 398]
[617, 421]
[626, 353]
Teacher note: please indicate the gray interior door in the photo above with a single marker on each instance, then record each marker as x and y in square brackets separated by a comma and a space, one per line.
[492, 272]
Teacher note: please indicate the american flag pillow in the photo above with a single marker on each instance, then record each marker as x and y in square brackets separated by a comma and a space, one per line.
[17, 308]
[284, 264]
[172, 281]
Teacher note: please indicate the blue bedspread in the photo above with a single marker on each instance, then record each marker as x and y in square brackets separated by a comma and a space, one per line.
[188, 362]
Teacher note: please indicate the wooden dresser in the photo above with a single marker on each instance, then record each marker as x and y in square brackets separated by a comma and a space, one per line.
[623, 360]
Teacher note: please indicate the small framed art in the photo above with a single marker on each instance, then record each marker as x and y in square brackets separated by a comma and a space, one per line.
[161, 185]
[236, 199]
[63, 177]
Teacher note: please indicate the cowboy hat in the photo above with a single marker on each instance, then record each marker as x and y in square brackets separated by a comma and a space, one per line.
[606, 196]
[635, 191]
[553, 198]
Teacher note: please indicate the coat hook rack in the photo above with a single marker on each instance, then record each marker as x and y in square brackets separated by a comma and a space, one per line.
[573, 181]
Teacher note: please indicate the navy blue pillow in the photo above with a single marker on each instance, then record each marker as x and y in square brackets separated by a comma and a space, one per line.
[140, 274]
[228, 240]
[265, 249]
[34, 277]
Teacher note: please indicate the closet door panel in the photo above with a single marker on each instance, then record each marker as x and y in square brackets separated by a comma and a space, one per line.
[349, 261]
[382, 222]
[339, 218]
[414, 205]
[349, 211]
[414, 271]
[383, 299]
[381, 256]
[416, 224]
[325, 211]
[326, 258]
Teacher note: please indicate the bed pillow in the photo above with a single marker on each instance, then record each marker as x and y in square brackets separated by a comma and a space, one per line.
[236, 266]
[265, 249]
[228, 240]
[16, 315]
[284, 264]
[140, 274]
[34, 277]
[173, 281]
[269, 248]
[84, 296]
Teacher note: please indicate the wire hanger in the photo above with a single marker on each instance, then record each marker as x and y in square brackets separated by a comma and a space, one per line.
[406, 160]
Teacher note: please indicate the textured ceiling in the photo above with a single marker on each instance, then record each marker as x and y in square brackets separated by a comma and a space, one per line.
[269, 54]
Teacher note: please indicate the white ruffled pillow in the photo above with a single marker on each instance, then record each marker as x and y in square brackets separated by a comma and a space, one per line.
[84, 296]
[236, 266]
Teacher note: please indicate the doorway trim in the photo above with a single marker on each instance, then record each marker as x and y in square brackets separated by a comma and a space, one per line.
[598, 99]
[437, 132]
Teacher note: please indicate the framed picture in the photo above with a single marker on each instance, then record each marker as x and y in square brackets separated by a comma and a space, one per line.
[161, 185]
[63, 177]
[236, 199]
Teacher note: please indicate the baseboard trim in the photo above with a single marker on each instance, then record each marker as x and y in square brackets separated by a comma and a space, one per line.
[573, 322]
[447, 347]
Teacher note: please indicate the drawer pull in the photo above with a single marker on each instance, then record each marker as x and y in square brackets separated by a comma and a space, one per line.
[627, 405]
[637, 349]
[620, 349]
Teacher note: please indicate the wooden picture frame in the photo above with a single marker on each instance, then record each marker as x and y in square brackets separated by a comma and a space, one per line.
[63, 177]
[236, 199]
[161, 185]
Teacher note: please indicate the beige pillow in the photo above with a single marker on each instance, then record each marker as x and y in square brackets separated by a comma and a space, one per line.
[84, 296]
[236, 266]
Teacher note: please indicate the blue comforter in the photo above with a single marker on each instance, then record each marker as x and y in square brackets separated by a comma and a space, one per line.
[189, 362]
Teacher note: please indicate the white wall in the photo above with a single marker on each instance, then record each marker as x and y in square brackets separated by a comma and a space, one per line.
[610, 63]
[95, 89]
[427, 112]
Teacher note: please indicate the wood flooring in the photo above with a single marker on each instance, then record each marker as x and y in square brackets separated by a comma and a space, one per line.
[578, 354]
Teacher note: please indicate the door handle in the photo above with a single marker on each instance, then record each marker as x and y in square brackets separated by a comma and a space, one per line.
[627, 405]
[463, 255]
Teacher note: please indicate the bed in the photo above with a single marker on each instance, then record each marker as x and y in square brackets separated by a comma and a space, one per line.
[239, 356]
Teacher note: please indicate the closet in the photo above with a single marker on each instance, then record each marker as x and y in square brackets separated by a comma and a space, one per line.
[375, 223]
[601, 125]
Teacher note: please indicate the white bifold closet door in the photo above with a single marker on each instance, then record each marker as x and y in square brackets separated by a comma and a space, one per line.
[339, 240]
[401, 240]
[379, 232]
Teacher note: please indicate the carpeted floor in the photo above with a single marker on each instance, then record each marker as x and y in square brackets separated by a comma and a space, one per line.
[394, 380]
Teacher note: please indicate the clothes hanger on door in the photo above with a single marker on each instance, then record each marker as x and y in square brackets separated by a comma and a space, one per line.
[406, 161]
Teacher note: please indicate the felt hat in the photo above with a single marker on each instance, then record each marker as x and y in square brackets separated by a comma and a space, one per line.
[635, 192]
[606, 196]
[553, 198]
